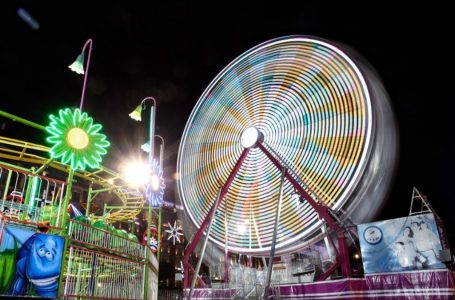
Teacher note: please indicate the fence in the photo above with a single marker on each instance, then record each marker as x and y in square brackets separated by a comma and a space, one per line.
[104, 240]
[249, 283]
[29, 197]
[95, 275]
[98, 264]
[170, 293]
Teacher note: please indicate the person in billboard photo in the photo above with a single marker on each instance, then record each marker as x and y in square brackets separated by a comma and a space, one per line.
[406, 251]
[419, 246]
[426, 242]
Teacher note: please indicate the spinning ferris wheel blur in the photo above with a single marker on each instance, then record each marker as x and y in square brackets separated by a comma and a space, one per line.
[319, 111]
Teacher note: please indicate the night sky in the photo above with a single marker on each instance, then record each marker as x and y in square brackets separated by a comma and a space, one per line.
[172, 50]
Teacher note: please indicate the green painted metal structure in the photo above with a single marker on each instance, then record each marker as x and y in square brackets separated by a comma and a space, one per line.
[117, 267]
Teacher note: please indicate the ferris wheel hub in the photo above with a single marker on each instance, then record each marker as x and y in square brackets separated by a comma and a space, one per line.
[251, 137]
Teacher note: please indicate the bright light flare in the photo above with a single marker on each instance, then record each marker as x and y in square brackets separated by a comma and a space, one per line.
[136, 173]
[155, 182]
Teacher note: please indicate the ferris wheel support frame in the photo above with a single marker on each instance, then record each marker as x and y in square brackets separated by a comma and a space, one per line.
[323, 211]
[197, 237]
[342, 257]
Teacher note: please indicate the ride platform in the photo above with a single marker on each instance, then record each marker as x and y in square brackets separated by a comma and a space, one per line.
[425, 284]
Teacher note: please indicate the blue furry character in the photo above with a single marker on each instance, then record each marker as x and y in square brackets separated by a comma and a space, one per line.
[38, 263]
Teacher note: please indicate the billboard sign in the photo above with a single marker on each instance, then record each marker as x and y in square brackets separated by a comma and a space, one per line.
[410, 243]
[30, 262]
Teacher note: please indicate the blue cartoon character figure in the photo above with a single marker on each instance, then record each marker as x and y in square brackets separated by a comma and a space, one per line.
[38, 264]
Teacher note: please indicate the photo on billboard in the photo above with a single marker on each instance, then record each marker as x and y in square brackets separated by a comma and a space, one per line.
[409, 243]
[30, 262]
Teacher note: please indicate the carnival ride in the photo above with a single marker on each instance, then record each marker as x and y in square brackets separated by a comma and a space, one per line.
[98, 259]
[36, 156]
[292, 116]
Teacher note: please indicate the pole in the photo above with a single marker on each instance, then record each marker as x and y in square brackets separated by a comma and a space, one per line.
[160, 211]
[324, 214]
[275, 231]
[21, 120]
[191, 247]
[226, 252]
[66, 201]
[158, 243]
[152, 133]
[44, 166]
[89, 200]
[132, 227]
[8, 181]
[28, 193]
[149, 217]
[204, 246]
[89, 41]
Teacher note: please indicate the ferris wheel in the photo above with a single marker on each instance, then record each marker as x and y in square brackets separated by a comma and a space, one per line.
[301, 103]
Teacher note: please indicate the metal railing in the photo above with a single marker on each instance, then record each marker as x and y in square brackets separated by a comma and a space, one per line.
[29, 197]
[95, 275]
[170, 293]
[29, 153]
[105, 240]
[14, 210]
[249, 283]
[218, 291]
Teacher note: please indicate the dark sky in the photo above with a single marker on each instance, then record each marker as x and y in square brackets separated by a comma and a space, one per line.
[172, 50]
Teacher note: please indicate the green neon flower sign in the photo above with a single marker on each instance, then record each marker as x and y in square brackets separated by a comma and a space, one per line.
[76, 140]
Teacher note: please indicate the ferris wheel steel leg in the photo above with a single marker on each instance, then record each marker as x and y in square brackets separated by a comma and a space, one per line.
[198, 235]
[264, 262]
[324, 214]
[226, 234]
[204, 246]
[275, 232]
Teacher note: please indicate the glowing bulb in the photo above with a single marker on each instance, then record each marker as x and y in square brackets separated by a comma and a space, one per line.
[250, 137]
[77, 138]
[155, 182]
[137, 173]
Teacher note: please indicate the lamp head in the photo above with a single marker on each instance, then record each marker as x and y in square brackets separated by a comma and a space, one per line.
[78, 65]
[146, 147]
[136, 113]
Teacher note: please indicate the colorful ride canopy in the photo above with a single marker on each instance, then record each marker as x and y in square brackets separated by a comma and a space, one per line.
[322, 114]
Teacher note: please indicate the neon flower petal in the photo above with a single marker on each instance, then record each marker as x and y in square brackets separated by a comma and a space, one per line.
[68, 148]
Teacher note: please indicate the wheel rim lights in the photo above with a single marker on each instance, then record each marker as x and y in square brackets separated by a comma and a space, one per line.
[313, 107]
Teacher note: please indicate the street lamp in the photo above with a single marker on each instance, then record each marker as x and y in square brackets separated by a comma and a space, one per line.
[155, 180]
[78, 67]
[136, 115]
